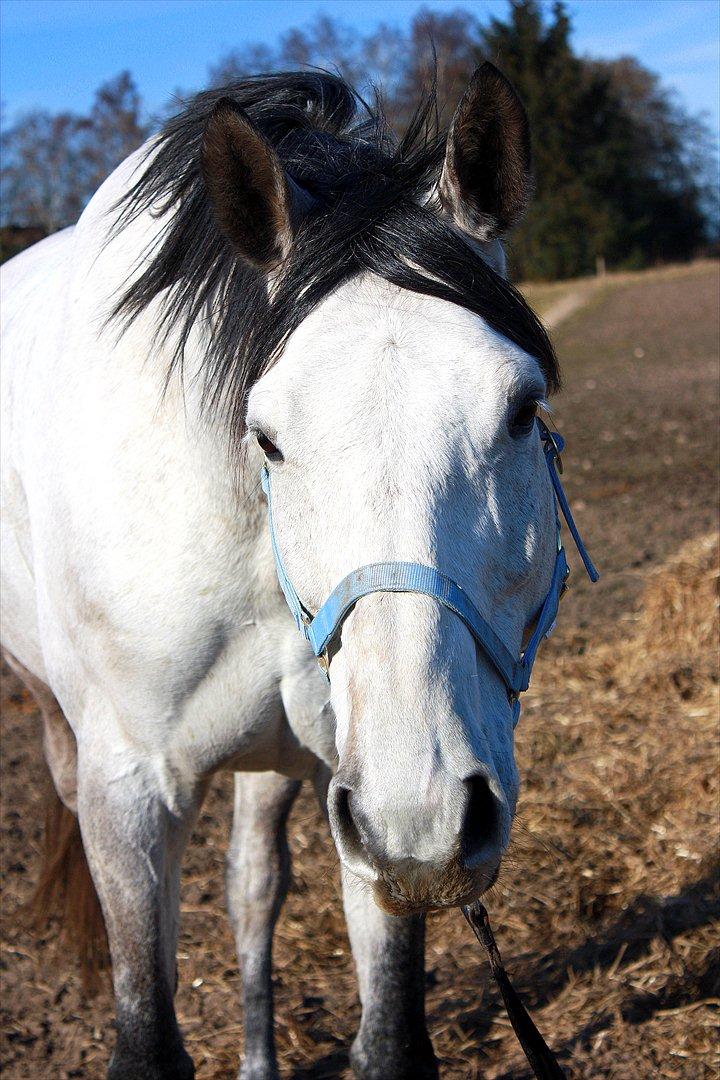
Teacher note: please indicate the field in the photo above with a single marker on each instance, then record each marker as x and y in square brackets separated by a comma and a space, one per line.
[604, 912]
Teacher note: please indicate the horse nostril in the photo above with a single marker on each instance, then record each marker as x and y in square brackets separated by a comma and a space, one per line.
[480, 839]
[347, 835]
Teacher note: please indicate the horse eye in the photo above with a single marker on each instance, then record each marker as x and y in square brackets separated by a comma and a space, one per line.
[522, 420]
[268, 447]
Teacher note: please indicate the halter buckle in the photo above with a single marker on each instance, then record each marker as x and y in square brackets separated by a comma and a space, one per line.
[557, 454]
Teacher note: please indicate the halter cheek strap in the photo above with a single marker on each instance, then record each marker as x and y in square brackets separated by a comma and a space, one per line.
[321, 629]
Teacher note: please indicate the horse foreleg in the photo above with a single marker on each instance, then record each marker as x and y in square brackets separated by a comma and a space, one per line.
[258, 873]
[392, 1043]
[135, 822]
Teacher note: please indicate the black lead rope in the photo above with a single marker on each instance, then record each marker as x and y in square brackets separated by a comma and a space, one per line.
[540, 1057]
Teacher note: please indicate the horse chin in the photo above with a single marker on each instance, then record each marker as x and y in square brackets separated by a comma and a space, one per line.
[453, 887]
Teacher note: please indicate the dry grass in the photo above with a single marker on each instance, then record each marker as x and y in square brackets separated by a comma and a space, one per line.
[605, 912]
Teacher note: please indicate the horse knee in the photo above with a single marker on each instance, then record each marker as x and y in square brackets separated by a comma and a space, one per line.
[258, 860]
[256, 878]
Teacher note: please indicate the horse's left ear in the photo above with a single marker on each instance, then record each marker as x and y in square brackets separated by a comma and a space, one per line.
[485, 182]
[256, 204]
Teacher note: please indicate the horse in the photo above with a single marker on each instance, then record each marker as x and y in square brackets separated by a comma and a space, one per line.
[276, 281]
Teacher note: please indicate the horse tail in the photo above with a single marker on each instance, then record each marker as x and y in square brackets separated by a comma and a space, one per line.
[65, 889]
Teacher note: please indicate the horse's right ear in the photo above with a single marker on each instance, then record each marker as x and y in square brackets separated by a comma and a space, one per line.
[485, 182]
[255, 203]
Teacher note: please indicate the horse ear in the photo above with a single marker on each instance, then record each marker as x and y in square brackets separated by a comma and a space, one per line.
[485, 182]
[256, 204]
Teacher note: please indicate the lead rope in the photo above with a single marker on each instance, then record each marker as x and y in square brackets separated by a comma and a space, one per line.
[540, 1057]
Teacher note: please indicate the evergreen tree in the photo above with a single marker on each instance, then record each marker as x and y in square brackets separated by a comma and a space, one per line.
[616, 162]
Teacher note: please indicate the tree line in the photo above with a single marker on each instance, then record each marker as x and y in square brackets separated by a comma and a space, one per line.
[623, 173]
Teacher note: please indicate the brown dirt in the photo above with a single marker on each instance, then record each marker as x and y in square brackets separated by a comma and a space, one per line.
[605, 910]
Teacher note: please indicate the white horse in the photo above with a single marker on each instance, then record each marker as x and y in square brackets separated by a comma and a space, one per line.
[274, 278]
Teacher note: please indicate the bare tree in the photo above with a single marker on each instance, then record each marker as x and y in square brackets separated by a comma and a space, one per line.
[377, 60]
[113, 129]
[52, 163]
[441, 47]
[40, 166]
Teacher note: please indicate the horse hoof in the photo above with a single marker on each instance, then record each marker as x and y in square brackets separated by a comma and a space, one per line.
[384, 1062]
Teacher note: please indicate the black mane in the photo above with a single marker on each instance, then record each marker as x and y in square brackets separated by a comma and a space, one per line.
[367, 216]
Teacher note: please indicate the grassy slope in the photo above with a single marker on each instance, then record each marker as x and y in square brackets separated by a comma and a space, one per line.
[603, 910]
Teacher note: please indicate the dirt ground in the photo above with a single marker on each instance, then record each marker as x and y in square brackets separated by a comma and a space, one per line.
[604, 911]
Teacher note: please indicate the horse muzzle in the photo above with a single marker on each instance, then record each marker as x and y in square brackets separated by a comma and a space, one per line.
[421, 855]
[416, 888]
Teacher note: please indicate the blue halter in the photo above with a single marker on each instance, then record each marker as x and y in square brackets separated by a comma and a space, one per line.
[323, 628]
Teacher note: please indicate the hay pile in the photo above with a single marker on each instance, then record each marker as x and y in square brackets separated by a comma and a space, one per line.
[676, 643]
[623, 787]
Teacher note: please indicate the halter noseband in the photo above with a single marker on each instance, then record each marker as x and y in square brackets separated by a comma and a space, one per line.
[322, 629]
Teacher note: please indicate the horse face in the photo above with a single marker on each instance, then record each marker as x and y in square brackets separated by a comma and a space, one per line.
[399, 427]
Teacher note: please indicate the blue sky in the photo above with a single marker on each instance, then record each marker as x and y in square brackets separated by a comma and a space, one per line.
[54, 53]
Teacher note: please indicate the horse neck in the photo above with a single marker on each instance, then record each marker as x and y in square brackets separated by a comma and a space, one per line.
[105, 259]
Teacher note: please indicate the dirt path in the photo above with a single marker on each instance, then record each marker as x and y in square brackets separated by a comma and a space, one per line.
[564, 307]
[604, 911]
[558, 300]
